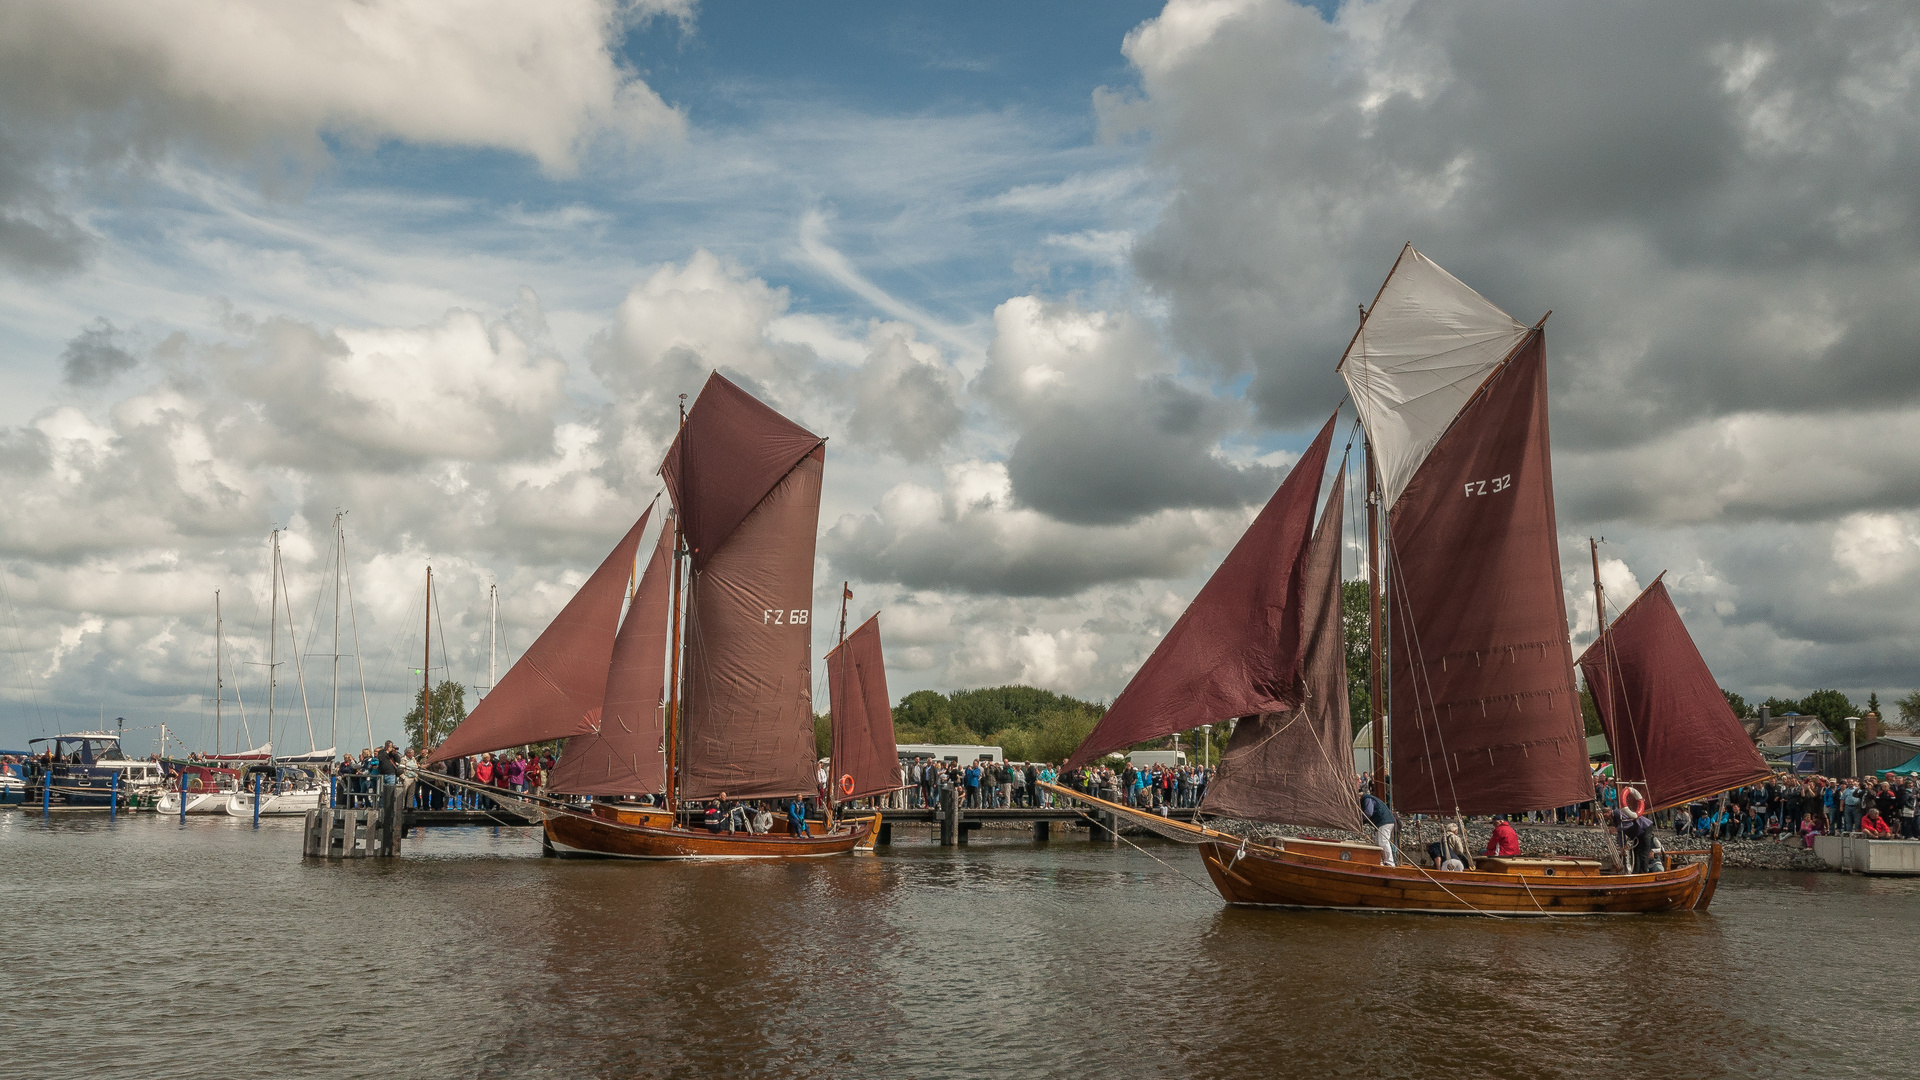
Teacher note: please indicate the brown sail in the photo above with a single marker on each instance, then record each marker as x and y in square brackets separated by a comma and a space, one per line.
[1666, 720]
[1236, 650]
[729, 455]
[1484, 713]
[562, 676]
[748, 729]
[1296, 766]
[865, 759]
[623, 754]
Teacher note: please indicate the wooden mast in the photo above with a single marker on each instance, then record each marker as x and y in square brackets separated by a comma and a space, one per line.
[1375, 703]
[219, 686]
[673, 680]
[1599, 605]
[426, 672]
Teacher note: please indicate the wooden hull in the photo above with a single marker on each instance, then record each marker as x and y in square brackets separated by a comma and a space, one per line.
[1274, 876]
[639, 835]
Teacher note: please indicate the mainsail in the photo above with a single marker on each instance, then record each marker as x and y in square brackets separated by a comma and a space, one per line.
[1453, 394]
[1666, 720]
[746, 482]
[1296, 767]
[561, 678]
[623, 754]
[1236, 650]
[865, 759]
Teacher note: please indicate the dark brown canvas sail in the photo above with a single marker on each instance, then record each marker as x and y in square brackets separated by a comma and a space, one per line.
[562, 676]
[1666, 720]
[623, 755]
[1296, 767]
[1236, 650]
[748, 728]
[865, 759]
[730, 454]
[1484, 714]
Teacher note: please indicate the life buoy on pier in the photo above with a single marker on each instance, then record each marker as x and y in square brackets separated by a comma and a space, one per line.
[846, 783]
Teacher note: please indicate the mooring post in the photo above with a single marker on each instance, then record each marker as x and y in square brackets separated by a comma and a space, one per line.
[113, 796]
[949, 816]
[183, 798]
[256, 800]
[46, 791]
[1042, 831]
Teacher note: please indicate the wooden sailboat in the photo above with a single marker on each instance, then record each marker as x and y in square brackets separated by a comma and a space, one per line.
[1482, 704]
[737, 724]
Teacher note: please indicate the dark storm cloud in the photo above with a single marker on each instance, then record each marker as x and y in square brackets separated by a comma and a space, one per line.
[1103, 464]
[93, 357]
[1716, 199]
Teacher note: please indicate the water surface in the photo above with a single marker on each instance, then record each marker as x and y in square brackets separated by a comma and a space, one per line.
[147, 948]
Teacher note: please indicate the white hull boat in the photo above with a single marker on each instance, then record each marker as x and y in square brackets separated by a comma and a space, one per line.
[198, 802]
[273, 804]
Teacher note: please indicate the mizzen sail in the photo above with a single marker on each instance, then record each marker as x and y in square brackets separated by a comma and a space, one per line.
[1236, 650]
[746, 481]
[1484, 713]
[550, 692]
[623, 755]
[1296, 767]
[865, 758]
[1666, 720]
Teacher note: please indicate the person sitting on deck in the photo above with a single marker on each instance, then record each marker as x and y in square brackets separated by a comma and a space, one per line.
[1453, 849]
[797, 817]
[1504, 843]
[1875, 825]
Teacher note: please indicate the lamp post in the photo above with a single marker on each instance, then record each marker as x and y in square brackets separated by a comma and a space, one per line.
[1853, 747]
[1206, 731]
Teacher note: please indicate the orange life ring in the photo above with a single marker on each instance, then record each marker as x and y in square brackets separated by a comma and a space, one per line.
[846, 783]
[193, 783]
[1631, 799]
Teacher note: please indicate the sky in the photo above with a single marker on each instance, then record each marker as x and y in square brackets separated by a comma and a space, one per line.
[1064, 285]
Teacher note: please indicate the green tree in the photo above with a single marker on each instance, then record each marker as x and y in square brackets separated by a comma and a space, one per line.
[1356, 619]
[449, 708]
[1737, 703]
[1590, 712]
[1909, 707]
[1830, 706]
[822, 735]
[1778, 707]
[1873, 704]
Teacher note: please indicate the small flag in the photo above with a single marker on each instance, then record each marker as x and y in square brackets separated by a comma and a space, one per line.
[848, 593]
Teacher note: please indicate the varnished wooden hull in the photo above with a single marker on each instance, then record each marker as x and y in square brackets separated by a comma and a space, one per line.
[633, 835]
[1277, 877]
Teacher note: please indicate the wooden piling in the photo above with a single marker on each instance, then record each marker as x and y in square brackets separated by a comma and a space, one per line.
[950, 832]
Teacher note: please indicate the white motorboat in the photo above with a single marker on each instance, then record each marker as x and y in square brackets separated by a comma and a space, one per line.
[273, 803]
[198, 802]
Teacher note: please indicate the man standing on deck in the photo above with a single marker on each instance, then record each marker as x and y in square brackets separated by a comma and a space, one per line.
[1381, 815]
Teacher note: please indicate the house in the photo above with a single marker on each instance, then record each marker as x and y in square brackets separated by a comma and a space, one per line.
[1887, 752]
[1800, 732]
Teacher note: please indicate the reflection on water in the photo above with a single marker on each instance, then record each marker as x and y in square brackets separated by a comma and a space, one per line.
[147, 947]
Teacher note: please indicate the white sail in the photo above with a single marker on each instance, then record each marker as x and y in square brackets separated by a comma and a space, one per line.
[1426, 345]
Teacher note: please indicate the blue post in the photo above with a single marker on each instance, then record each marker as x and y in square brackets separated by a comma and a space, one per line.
[183, 797]
[46, 791]
[256, 800]
[113, 796]
[333, 791]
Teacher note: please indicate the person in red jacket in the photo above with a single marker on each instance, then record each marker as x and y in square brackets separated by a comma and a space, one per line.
[1875, 825]
[1504, 841]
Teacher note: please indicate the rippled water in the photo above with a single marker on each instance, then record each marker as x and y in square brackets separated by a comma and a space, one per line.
[146, 948]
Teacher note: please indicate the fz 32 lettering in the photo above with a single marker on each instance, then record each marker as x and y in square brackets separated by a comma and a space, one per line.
[784, 617]
[1489, 487]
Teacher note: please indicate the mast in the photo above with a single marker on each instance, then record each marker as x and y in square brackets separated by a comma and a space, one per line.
[219, 693]
[493, 635]
[426, 670]
[333, 734]
[1375, 703]
[673, 652]
[273, 631]
[1599, 605]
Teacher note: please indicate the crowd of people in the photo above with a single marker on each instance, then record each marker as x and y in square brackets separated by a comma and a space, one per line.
[1806, 807]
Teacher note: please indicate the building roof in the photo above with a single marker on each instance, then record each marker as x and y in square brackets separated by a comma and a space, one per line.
[1800, 730]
